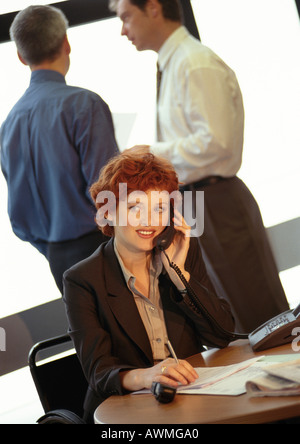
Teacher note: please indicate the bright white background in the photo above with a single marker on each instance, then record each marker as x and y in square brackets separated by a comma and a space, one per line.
[259, 39]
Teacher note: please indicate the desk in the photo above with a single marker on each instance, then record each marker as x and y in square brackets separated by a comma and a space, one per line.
[202, 409]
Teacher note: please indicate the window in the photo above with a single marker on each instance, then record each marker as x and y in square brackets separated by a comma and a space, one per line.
[123, 77]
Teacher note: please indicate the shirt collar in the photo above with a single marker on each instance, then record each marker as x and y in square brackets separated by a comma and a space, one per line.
[170, 46]
[127, 274]
[46, 75]
[156, 266]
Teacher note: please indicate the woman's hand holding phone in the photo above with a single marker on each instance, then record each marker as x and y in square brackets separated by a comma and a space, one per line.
[178, 250]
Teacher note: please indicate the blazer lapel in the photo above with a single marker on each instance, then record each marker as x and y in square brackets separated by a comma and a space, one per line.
[122, 303]
[175, 322]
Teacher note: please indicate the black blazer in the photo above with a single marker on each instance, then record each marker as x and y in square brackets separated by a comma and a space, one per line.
[106, 328]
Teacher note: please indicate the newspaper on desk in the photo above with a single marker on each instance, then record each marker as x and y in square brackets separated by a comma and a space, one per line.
[230, 380]
[235, 380]
[277, 380]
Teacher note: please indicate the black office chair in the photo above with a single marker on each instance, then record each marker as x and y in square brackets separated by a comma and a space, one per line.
[60, 384]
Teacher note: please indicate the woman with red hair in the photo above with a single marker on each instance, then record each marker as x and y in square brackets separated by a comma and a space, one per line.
[125, 302]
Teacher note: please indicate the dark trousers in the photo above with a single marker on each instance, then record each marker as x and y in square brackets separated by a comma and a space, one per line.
[238, 256]
[63, 255]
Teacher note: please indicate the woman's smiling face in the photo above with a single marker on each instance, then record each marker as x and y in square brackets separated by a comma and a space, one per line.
[141, 218]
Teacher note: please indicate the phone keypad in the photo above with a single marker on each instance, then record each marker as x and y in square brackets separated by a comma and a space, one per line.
[277, 323]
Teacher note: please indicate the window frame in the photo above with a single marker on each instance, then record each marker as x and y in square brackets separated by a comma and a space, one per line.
[80, 12]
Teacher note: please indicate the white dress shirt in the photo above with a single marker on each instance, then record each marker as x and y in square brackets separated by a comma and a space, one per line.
[200, 116]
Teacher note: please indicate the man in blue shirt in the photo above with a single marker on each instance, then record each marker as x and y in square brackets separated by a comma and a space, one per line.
[53, 144]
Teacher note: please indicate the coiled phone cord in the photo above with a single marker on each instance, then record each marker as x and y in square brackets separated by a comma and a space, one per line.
[199, 306]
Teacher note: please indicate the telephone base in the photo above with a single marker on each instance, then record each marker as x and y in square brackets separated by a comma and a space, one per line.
[278, 331]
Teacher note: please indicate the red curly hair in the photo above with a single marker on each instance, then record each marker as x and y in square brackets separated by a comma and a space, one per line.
[140, 170]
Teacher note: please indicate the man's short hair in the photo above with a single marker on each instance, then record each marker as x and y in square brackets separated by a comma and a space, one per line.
[39, 32]
[171, 8]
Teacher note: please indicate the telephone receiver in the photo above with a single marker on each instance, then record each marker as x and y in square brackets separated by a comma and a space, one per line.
[164, 240]
[277, 331]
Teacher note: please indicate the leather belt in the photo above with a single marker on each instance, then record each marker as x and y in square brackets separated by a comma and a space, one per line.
[207, 181]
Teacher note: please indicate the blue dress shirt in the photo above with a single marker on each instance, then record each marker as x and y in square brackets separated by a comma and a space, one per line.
[53, 144]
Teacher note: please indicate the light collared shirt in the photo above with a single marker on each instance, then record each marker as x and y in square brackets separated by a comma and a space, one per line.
[150, 309]
[200, 115]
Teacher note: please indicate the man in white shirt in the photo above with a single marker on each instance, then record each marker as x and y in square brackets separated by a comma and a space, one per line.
[200, 129]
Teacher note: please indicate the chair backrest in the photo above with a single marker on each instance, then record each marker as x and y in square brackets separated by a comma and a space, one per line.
[285, 243]
[60, 382]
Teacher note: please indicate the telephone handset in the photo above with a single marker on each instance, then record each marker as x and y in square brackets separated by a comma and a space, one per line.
[164, 240]
[277, 331]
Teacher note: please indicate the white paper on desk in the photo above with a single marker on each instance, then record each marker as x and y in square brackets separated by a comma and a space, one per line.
[228, 380]
[233, 385]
